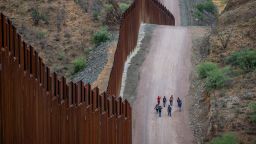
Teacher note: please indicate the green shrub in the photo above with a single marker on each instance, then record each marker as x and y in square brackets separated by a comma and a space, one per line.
[61, 55]
[41, 35]
[204, 68]
[244, 59]
[83, 4]
[123, 6]
[252, 106]
[44, 17]
[109, 7]
[37, 16]
[198, 15]
[79, 64]
[216, 79]
[227, 138]
[96, 15]
[207, 6]
[101, 36]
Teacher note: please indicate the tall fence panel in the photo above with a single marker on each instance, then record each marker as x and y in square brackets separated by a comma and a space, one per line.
[40, 107]
[148, 11]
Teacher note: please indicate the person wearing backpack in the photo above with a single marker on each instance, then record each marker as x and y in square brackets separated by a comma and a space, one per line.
[169, 110]
[164, 100]
[171, 100]
[159, 110]
[179, 103]
[156, 107]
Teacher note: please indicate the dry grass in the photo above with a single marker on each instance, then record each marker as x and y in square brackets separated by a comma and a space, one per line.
[66, 36]
[220, 4]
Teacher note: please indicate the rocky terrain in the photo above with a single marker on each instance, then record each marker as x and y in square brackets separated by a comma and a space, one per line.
[62, 31]
[227, 109]
[96, 61]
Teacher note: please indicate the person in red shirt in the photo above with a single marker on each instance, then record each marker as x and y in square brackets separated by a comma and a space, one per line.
[158, 100]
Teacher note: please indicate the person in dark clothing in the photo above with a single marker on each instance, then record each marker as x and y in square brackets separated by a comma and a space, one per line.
[164, 100]
[156, 107]
[169, 110]
[171, 100]
[179, 103]
[159, 110]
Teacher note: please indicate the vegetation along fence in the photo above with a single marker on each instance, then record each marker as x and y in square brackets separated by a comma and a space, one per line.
[39, 107]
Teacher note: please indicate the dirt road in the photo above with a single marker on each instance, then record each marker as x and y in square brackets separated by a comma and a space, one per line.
[165, 71]
[174, 8]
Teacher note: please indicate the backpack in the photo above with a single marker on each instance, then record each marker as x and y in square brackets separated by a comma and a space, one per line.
[159, 108]
[169, 108]
[156, 107]
[164, 99]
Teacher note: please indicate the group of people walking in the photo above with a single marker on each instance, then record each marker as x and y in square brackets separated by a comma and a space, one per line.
[159, 108]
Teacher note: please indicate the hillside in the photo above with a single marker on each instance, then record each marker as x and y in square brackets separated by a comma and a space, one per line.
[63, 31]
[62, 34]
[228, 89]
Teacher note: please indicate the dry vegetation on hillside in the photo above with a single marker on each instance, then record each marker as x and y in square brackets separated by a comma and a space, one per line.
[232, 101]
[63, 32]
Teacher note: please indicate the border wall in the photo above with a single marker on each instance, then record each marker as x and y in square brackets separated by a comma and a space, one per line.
[39, 107]
[147, 11]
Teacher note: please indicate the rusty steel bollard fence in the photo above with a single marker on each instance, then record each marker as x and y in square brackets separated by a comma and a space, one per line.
[37, 106]
[40, 107]
[148, 11]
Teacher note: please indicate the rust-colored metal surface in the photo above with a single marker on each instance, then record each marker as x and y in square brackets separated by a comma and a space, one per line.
[39, 107]
[148, 11]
